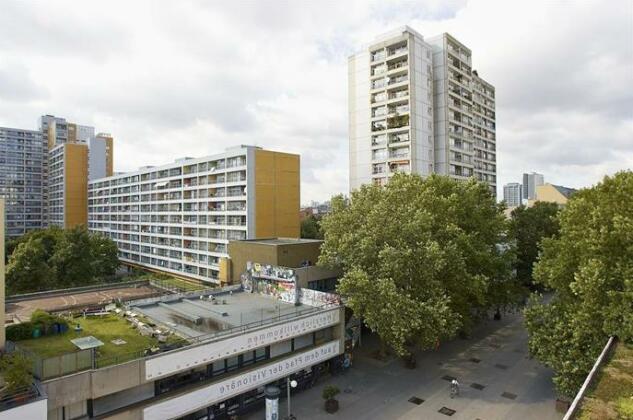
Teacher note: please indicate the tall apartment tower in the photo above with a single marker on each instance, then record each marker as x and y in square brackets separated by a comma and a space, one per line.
[390, 109]
[530, 182]
[416, 106]
[513, 194]
[76, 155]
[23, 156]
[178, 218]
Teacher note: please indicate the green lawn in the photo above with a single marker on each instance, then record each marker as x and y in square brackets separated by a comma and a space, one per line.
[105, 328]
[180, 284]
[612, 395]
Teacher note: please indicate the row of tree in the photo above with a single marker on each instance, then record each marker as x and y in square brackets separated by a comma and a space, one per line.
[56, 258]
[424, 259]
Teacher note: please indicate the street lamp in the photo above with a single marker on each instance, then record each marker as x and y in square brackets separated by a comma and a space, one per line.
[290, 384]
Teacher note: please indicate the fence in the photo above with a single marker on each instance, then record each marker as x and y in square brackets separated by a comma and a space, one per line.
[82, 289]
[575, 405]
[53, 367]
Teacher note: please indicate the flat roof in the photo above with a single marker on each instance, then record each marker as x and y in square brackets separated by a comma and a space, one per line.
[280, 241]
[197, 317]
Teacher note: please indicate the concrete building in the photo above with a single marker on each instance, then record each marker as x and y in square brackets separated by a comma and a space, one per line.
[513, 194]
[178, 218]
[298, 255]
[23, 156]
[552, 194]
[416, 106]
[530, 182]
[76, 155]
[232, 344]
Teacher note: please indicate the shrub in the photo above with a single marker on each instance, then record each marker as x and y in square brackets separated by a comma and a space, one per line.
[16, 370]
[18, 332]
[329, 392]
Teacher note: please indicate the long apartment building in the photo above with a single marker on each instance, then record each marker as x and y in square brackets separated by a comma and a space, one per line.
[178, 218]
[23, 160]
[416, 106]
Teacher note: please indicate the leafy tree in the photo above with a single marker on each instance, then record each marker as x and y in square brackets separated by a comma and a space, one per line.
[72, 260]
[28, 268]
[56, 258]
[421, 257]
[310, 228]
[528, 226]
[589, 267]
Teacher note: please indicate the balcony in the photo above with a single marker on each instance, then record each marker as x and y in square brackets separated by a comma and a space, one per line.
[397, 50]
[380, 69]
[378, 56]
[396, 167]
[398, 79]
[398, 122]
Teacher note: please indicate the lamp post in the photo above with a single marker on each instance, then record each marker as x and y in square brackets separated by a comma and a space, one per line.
[290, 384]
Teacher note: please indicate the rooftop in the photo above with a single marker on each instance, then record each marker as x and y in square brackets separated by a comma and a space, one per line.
[201, 317]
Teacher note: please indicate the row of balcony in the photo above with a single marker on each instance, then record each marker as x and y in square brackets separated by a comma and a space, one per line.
[391, 51]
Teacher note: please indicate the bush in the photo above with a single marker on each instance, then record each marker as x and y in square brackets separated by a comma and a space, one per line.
[46, 321]
[329, 392]
[18, 332]
[16, 370]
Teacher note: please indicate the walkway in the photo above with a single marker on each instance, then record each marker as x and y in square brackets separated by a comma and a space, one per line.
[498, 381]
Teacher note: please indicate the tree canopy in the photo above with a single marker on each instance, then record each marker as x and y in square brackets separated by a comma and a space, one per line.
[589, 267]
[311, 228]
[422, 258]
[55, 258]
[528, 226]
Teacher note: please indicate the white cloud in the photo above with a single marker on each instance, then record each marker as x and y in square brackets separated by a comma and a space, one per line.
[170, 79]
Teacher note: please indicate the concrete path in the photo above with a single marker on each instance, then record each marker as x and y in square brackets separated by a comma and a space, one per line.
[514, 386]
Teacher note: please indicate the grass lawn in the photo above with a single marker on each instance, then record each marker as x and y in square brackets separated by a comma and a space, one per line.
[187, 286]
[611, 397]
[106, 329]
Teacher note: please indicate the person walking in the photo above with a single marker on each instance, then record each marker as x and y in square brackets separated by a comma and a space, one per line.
[454, 388]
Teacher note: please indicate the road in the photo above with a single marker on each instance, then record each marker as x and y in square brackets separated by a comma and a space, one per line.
[511, 385]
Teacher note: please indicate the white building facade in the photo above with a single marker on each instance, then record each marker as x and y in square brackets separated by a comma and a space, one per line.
[179, 218]
[513, 194]
[416, 106]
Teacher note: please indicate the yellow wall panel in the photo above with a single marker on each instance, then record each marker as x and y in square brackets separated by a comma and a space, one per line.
[277, 194]
[75, 184]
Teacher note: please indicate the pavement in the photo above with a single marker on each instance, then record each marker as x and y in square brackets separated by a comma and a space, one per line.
[507, 383]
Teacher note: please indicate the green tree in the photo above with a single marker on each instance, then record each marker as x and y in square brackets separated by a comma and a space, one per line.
[310, 228]
[589, 267]
[421, 257]
[528, 226]
[104, 255]
[55, 258]
[72, 260]
[28, 269]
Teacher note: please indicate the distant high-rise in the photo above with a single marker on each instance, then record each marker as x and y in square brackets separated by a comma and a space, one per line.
[417, 106]
[530, 182]
[23, 155]
[512, 194]
[76, 155]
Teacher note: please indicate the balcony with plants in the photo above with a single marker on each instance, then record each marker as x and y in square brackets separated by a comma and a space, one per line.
[398, 122]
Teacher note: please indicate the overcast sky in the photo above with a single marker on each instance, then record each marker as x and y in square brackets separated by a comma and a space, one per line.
[185, 78]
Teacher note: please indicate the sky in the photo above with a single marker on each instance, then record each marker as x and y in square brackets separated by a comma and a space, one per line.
[190, 78]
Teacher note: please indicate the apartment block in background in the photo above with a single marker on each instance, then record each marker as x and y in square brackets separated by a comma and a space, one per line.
[76, 155]
[513, 194]
[416, 106]
[178, 218]
[23, 155]
[530, 182]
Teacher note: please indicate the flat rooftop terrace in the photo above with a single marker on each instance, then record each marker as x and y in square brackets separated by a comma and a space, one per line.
[197, 318]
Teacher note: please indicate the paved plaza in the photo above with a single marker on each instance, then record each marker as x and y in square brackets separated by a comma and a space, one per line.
[498, 381]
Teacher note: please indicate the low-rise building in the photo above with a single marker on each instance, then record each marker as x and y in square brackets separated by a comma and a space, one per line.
[551, 193]
[231, 344]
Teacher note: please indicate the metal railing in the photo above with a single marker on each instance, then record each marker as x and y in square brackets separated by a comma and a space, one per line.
[575, 405]
[20, 397]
